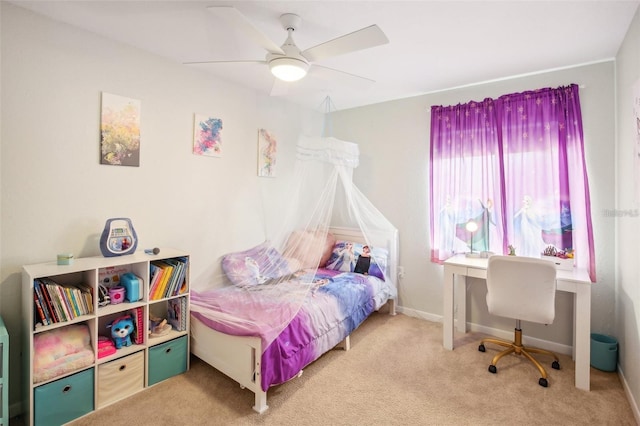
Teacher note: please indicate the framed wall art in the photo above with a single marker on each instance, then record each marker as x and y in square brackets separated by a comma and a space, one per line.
[267, 150]
[120, 131]
[207, 136]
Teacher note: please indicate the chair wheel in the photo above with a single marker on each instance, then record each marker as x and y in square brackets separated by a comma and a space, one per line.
[543, 382]
[481, 348]
[555, 365]
[493, 369]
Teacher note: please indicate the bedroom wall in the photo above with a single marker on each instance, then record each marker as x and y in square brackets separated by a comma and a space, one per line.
[56, 196]
[627, 316]
[394, 140]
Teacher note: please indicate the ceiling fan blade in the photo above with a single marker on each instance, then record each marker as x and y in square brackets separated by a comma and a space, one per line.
[342, 78]
[362, 39]
[241, 23]
[224, 62]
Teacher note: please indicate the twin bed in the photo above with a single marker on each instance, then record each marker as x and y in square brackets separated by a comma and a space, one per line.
[258, 355]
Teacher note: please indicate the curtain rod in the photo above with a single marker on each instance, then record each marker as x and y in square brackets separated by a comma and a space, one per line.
[581, 86]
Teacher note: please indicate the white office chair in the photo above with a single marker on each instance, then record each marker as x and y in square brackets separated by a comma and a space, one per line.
[523, 288]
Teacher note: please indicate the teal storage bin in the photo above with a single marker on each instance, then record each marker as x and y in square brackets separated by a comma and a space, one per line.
[65, 399]
[167, 359]
[604, 352]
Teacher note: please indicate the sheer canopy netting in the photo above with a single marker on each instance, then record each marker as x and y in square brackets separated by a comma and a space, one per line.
[266, 286]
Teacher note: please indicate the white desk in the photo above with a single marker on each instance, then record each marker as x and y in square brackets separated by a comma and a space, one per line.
[576, 282]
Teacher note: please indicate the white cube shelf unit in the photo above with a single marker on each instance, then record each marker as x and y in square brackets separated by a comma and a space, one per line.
[60, 396]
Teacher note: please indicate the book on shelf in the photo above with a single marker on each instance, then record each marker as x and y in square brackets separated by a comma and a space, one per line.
[162, 285]
[182, 282]
[41, 318]
[62, 302]
[176, 313]
[68, 311]
[50, 290]
[86, 293]
[71, 298]
[50, 287]
[177, 286]
[43, 304]
[138, 319]
[48, 302]
[173, 281]
[81, 300]
[155, 272]
[180, 286]
[162, 291]
[159, 277]
[167, 277]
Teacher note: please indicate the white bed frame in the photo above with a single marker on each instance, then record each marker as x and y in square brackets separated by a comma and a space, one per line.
[239, 357]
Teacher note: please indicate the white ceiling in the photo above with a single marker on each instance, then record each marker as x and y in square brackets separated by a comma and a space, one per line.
[433, 45]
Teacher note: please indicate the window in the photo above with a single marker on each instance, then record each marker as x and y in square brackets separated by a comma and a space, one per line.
[514, 166]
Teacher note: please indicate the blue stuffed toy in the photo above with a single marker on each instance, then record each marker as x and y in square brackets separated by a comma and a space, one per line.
[121, 329]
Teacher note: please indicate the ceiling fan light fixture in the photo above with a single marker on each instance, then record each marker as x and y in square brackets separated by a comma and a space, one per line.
[288, 69]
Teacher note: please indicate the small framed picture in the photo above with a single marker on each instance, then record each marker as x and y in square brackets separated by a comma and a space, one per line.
[267, 150]
[207, 136]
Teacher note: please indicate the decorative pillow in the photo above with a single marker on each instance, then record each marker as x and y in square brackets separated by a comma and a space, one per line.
[60, 351]
[348, 256]
[255, 265]
[310, 248]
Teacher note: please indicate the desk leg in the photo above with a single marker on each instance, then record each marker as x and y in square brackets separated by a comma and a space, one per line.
[447, 314]
[582, 336]
[460, 292]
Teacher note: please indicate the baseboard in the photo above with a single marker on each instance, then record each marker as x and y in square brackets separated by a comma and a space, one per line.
[526, 340]
[418, 314]
[627, 391]
[502, 334]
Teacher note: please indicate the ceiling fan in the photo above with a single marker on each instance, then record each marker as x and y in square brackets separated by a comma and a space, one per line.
[287, 62]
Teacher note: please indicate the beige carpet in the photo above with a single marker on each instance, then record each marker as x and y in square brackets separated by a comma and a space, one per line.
[396, 373]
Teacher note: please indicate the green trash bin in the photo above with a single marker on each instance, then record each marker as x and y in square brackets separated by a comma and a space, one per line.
[604, 352]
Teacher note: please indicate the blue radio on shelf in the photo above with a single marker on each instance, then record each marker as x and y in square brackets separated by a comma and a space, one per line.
[132, 286]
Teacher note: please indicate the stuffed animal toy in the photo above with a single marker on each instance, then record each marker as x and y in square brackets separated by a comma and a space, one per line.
[121, 329]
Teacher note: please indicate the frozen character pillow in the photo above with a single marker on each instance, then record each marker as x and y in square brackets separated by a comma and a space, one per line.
[342, 258]
[348, 256]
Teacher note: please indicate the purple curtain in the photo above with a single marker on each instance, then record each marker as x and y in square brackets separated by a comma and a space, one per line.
[515, 167]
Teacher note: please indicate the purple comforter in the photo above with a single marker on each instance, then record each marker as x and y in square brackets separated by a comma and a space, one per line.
[330, 311]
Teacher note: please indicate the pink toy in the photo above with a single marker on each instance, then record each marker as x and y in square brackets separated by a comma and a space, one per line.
[117, 293]
[106, 347]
